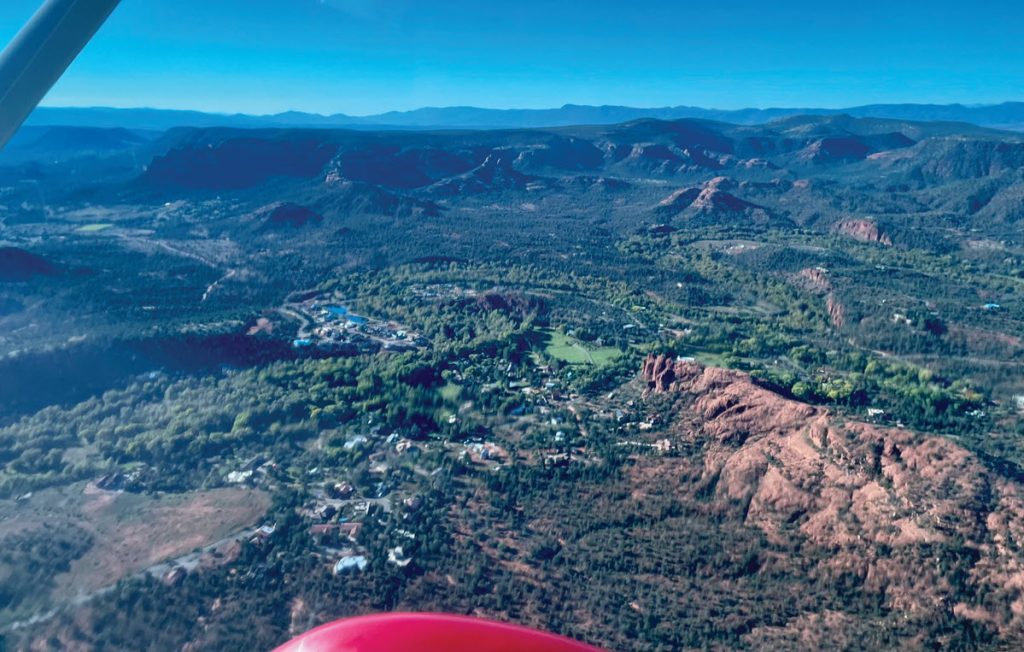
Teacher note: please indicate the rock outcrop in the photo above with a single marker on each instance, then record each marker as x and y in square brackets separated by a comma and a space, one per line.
[711, 200]
[915, 517]
[495, 174]
[836, 310]
[815, 279]
[715, 196]
[863, 231]
[679, 200]
[845, 148]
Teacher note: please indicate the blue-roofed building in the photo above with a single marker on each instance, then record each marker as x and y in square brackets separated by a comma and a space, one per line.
[302, 343]
[337, 311]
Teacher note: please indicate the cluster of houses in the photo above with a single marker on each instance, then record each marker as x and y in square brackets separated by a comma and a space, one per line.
[338, 518]
[250, 471]
[482, 452]
[262, 534]
[441, 291]
[545, 399]
[342, 519]
[334, 326]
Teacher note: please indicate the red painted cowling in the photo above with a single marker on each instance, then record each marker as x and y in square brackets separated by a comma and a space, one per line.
[403, 632]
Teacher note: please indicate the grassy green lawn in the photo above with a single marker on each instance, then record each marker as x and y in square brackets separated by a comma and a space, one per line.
[706, 358]
[450, 392]
[572, 351]
[93, 228]
[604, 355]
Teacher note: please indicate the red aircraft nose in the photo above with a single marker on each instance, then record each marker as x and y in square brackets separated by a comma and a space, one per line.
[428, 633]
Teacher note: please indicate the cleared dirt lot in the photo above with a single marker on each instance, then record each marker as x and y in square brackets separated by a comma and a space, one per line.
[131, 532]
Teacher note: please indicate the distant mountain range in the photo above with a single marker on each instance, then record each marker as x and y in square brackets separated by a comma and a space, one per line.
[1008, 115]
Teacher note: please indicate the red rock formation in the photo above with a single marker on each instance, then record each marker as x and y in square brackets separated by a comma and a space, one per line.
[864, 231]
[715, 197]
[836, 310]
[883, 502]
[680, 199]
[711, 199]
[814, 279]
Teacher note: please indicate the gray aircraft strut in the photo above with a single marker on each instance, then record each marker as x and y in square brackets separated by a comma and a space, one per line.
[36, 58]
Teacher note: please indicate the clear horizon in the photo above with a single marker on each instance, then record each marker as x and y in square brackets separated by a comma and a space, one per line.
[519, 108]
[364, 57]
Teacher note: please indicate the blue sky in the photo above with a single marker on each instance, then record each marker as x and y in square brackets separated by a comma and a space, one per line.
[368, 56]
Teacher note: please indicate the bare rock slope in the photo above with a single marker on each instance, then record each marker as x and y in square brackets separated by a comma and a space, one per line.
[915, 517]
